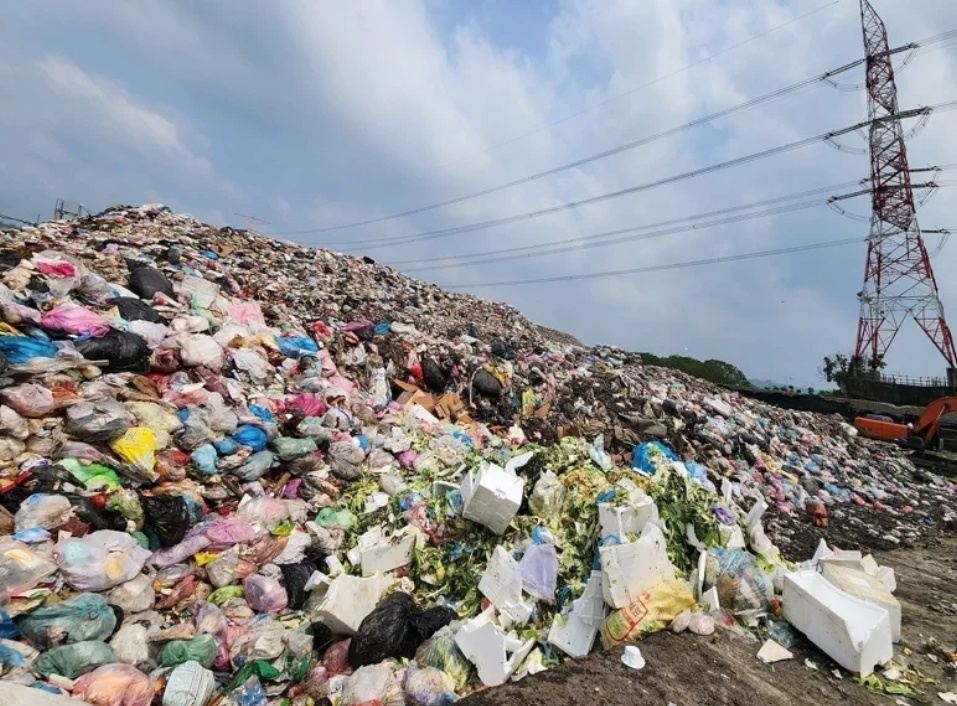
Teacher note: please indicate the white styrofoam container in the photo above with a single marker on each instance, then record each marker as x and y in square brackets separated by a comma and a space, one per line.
[855, 634]
[868, 588]
[484, 644]
[381, 552]
[349, 600]
[626, 519]
[491, 497]
[502, 585]
[632, 568]
[574, 632]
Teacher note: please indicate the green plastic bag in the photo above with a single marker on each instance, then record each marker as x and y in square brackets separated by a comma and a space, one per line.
[221, 595]
[81, 618]
[201, 648]
[72, 661]
[93, 475]
[330, 517]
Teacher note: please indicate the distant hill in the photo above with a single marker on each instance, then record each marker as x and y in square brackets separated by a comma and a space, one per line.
[766, 384]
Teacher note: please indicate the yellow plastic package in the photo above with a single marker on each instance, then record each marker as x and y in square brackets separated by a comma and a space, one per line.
[653, 611]
[137, 447]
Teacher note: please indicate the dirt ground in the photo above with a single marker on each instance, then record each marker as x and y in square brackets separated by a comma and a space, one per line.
[686, 670]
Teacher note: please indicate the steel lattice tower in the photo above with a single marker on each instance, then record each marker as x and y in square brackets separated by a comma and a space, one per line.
[898, 278]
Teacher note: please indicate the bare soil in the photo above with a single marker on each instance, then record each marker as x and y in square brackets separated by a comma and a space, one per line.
[723, 669]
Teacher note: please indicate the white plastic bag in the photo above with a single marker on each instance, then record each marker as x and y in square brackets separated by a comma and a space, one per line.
[133, 596]
[100, 560]
[42, 510]
[131, 645]
[197, 349]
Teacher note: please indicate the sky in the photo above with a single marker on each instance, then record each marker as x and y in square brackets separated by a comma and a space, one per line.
[308, 114]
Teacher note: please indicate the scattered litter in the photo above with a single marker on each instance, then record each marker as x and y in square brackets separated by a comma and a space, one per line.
[632, 658]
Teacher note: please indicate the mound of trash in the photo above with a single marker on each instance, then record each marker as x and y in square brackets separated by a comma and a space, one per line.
[246, 471]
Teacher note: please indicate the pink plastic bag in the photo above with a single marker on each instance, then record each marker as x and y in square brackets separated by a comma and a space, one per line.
[246, 312]
[29, 400]
[228, 532]
[264, 594]
[115, 685]
[77, 320]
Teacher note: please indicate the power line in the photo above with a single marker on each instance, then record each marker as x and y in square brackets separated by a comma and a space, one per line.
[431, 235]
[670, 266]
[747, 105]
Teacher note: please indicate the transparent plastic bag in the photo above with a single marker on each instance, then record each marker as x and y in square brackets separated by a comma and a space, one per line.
[20, 568]
[100, 561]
[131, 644]
[189, 684]
[115, 685]
[43, 510]
[428, 686]
[264, 594]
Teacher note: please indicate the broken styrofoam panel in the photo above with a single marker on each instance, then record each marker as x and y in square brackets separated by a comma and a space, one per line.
[867, 588]
[517, 462]
[733, 537]
[376, 501]
[378, 551]
[718, 406]
[484, 644]
[822, 551]
[888, 578]
[756, 513]
[574, 631]
[492, 496]
[501, 584]
[632, 568]
[855, 634]
[627, 519]
[870, 565]
[711, 600]
[772, 652]
[348, 600]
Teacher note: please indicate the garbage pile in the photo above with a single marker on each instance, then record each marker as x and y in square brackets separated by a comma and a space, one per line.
[237, 471]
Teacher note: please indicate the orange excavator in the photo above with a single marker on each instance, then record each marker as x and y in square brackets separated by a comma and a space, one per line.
[923, 434]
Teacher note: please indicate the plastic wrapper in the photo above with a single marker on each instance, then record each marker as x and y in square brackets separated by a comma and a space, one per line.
[289, 449]
[20, 569]
[83, 617]
[201, 648]
[115, 685]
[130, 644]
[167, 516]
[43, 510]
[428, 686]
[133, 596]
[652, 612]
[23, 349]
[98, 421]
[30, 400]
[345, 460]
[133, 309]
[441, 652]
[120, 350]
[372, 684]
[146, 282]
[264, 594]
[12, 425]
[71, 661]
[547, 496]
[395, 628]
[742, 586]
[189, 684]
[100, 560]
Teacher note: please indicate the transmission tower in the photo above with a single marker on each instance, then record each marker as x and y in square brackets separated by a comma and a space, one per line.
[898, 278]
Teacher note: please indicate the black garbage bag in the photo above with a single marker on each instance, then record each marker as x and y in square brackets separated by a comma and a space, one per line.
[147, 281]
[133, 309]
[485, 384]
[388, 631]
[295, 576]
[503, 350]
[123, 351]
[434, 376]
[366, 333]
[3, 362]
[9, 259]
[431, 620]
[167, 516]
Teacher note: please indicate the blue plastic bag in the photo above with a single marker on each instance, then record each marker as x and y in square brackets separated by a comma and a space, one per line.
[22, 349]
[295, 346]
[643, 458]
[226, 447]
[8, 628]
[262, 413]
[204, 458]
[253, 437]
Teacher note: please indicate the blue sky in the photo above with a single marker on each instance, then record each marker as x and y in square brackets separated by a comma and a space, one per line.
[309, 113]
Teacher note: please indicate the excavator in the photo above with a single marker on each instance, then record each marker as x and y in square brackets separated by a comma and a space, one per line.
[923, 435]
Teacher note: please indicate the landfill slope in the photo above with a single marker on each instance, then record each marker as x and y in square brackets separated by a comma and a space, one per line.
[234, 469]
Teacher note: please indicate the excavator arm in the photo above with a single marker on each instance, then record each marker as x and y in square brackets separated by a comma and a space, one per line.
[921, 434]
[927, 425]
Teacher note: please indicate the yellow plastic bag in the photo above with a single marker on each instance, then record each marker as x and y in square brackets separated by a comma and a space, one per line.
[137, 447]
[653, 611]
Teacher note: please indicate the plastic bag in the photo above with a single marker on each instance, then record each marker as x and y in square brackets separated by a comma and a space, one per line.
[83, 617]
[93, 476]
[428, 686]
[205, 459]
[167, 516]
[43, 510]
[115, 685]
[295, 577]
[251, 436]
[288, 448]
[133, 596]
[441, 652]
[12, 424]
[256, 466]
[98, 421]
[371, 685]
[547, 496]
[30, 400]
[75, 320]
[210, 620]
[249, 693]
[392, 629]
[163, 423]
[264, 638]
[264, 594]
[742, 586]
[201, 648]
[133, 309]
[137, 447]
[122, 351]
[229, 531]
[251, 362]
[654, 610]
[146, 282]
[336, 658]
[73, 660]
[345, 460]
[178, 553]
[23, 349]
[20, 569]
[189, 684]
[228, 567]
[296, 346]
[198, 349]
[152, 334]
[539, 571]
[131, 644]
[100, 560]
